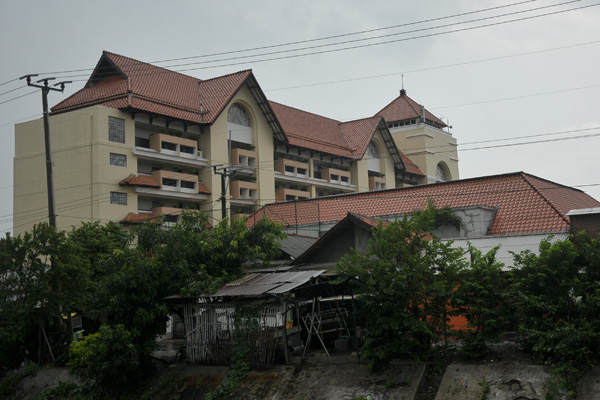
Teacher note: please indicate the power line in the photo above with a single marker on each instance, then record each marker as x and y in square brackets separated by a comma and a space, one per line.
[343, 34]
[389, 35]
[13, 90]
[434, 68]
[143, 66]
[310, 40]
[18, 97]
[517, 97]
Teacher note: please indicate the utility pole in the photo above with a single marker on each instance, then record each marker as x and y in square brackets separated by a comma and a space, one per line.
[49, 177]
[225, 172]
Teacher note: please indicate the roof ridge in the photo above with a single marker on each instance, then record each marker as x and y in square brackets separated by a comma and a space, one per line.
[224, 76]
[543, 196]
[352, 149]
[320, 141]
[304, 111]
[105, 52]
[361, 119]
[478, 178]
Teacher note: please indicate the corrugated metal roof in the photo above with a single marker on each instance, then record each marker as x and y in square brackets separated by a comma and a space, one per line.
[294, 245]
[263, 284]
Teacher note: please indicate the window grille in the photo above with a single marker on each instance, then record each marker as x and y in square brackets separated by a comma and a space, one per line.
[116, 130]
[118, 198]
[118, 160]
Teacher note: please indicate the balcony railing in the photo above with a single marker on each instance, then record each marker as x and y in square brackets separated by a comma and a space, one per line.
[242, 190]
[243, 158]
[334, 175]
[376, 183]
[292, 168]
[170, 149]
[176, 181]
[291, 194]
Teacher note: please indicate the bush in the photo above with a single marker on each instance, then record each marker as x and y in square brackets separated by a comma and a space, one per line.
[107, 361]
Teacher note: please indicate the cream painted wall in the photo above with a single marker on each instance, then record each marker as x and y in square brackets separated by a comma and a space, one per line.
[387, 163]
[427, 146]
[360, 175]
[83, 176]
[218, 149]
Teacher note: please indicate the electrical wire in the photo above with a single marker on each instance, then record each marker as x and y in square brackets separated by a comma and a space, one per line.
[159, 70]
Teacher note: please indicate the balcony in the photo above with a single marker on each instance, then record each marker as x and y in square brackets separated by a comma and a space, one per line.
[376, 183]
[244, 159]
[171, 149]
[292, 168]
[242, 190]
[168, 185]
[291, 194]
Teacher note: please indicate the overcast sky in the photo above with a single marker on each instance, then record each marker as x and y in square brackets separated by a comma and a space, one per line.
[490, 69]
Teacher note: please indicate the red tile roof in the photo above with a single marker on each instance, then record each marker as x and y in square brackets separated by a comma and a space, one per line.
[403, 107]
[312, 131]
[123, 82]
[358, 134]
[128, 84]
[347, 139]
[138, 218]
[202, 188]
[410, 166]
[140, 180]
[525, 203]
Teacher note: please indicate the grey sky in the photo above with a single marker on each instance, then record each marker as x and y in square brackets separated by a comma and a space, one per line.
[530, 77]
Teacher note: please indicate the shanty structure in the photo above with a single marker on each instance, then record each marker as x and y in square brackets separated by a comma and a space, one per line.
[258, 312]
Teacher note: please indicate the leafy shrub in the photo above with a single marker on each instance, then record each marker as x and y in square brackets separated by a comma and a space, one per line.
[107, 361]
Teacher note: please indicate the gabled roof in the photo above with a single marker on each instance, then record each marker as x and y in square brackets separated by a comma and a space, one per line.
[347, 139]
[526, 204]
[125, 83]
[134, 86]
[351, 220]
[294, 245]
[403, 108]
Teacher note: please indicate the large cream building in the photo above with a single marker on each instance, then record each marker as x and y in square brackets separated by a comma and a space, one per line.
[139, 141]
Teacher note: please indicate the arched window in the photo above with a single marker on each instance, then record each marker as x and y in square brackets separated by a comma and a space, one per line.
[441, 173]
[238, 122]
[372, 156]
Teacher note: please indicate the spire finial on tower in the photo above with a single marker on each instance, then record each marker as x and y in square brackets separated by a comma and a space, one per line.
[402, 91]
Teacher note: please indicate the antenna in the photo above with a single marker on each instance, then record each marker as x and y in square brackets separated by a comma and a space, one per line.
[402, 91]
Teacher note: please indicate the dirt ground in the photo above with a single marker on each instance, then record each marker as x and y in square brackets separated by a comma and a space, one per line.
[509, 374]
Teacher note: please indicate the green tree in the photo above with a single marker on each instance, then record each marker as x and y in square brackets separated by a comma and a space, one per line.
[559, 293]
[41, 277]
[482, 297]
[107, 361]
[405, 278]
[189, 257]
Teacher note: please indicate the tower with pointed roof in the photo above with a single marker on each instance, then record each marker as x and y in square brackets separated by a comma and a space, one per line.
[139, 142]
[424, 139]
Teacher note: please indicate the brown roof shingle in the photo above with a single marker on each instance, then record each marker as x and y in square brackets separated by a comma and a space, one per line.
[140, 180]
[403, 107]
[525, 203]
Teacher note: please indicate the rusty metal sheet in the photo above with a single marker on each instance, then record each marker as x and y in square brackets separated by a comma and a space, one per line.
[272, 283]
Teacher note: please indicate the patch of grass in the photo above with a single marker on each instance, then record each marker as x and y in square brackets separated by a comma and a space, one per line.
[485, 387]
[64, 391]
